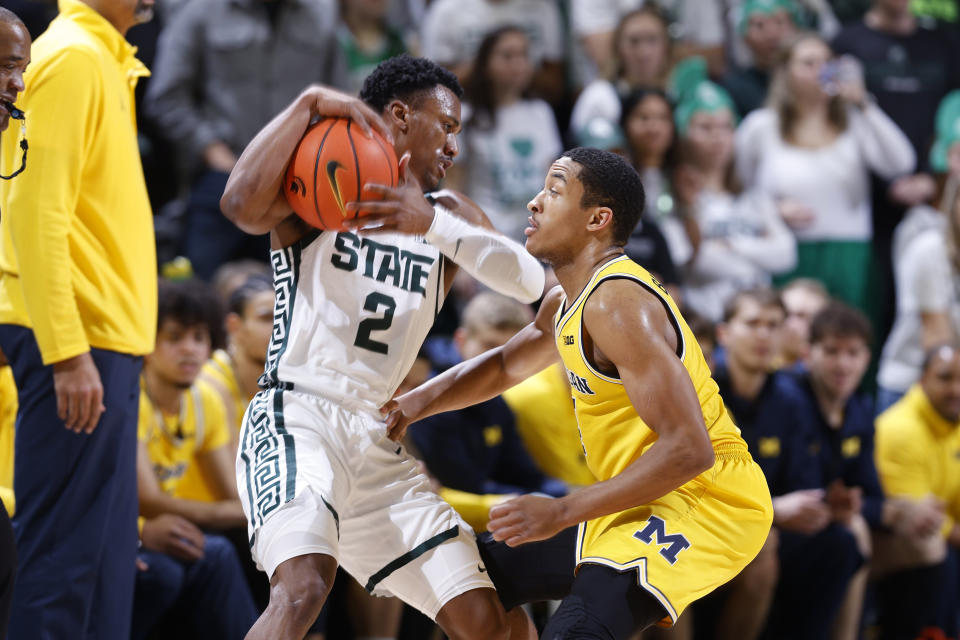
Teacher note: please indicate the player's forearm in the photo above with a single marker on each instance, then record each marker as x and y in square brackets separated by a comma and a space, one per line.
[468, 383]
[663, 468]
[257, 177]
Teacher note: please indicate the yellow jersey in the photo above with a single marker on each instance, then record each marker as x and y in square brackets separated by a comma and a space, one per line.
[174, 442]
[8, 421]
[219, 369]
[703, 533]
[612, 433]
[545, 420]
[918, 453]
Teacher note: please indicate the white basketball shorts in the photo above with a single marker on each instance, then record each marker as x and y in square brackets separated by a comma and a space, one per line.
[315, 477]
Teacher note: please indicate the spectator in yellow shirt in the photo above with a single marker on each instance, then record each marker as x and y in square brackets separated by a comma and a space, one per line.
[77, 310]
[918, 459]
[186, 482]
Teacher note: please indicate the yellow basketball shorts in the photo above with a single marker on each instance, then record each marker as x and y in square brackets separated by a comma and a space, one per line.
[692, 540]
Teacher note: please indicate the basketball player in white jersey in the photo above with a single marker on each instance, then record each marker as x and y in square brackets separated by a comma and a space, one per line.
[320, 481]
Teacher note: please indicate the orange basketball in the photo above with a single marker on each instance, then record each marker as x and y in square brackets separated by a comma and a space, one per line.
[330, 166]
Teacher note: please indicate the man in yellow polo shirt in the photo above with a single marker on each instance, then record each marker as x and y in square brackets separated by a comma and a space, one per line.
[918, 460]
[77, 311]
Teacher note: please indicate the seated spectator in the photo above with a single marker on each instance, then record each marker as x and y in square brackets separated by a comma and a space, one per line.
[928, 308]
[642, 58]
[767, 408]
[763, 26]
[918, 458]
[841, 423]
[509, 139]
[366, 38]
[224, 68]
[453, 29]
[477, 449]
[648, 126]
[803, 298]
[234, 371]
[743, 240]
[812, 150]
[186, 481]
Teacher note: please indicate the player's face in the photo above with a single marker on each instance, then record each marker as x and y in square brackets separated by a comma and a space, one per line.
[711, 137]
[642, 49]
[180, 353]
[14, 58]
[650, 127]
[557, 220]
[433, 122]
[837, 363]
[751, 337]
[941, 383]
[252, 332]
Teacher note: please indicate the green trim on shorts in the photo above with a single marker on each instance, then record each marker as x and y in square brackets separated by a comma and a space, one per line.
[410, 556]
[336, 516]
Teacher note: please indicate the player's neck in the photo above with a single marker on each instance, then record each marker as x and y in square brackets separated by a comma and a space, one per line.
[746, 383]
[164, 396]
[574, 275]
[246, 370]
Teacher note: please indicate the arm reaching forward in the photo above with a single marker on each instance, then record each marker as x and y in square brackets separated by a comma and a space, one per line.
[530, 351]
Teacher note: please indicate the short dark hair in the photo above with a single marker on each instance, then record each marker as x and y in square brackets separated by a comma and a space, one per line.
[401, 77]
[609, 181]
[190, 302]
[763, 296]
[840, 320]
[931, 354]
[257, 283]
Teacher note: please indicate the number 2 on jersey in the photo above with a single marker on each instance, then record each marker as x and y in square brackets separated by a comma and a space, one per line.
[373, 303]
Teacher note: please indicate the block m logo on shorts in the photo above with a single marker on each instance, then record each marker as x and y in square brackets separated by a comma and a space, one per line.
[655, 532]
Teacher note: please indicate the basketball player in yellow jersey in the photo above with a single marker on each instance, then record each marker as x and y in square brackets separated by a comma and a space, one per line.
[680, 507]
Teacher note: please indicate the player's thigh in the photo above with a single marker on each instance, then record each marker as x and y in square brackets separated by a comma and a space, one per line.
[476, 613]
[532, 572]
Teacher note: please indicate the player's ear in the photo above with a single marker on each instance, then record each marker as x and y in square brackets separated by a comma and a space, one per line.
[600, 218]
[399, 113]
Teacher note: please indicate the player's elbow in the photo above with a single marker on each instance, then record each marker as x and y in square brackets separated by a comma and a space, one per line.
[694, 458]
[233, 205]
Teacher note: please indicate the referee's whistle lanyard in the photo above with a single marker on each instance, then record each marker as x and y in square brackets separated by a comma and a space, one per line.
[17, 114]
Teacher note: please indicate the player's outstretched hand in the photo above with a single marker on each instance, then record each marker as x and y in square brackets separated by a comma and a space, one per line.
[399, 413]
[325, 101]
[526, 519]
[402, 209]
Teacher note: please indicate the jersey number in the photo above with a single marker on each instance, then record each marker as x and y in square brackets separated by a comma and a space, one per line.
[373, 303]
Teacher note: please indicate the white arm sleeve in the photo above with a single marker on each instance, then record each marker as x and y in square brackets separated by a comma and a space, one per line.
[492, 258]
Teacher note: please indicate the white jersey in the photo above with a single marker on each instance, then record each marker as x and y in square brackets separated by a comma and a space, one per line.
[351, 313]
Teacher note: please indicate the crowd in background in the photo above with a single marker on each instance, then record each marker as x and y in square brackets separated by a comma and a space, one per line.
[801, 161]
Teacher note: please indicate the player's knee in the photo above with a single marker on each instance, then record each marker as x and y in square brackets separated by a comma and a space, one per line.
[573, 620]
[300, 590]
[475, 615]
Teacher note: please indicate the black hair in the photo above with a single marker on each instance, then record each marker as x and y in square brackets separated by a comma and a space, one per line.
[840, 320]
[401, 77]
[609, 181]
[931, 354]
[479, 87]
[190, 302]
[763, 296]
[257, 283]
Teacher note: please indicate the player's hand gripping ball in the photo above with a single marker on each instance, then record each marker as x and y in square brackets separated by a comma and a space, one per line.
[330, 166]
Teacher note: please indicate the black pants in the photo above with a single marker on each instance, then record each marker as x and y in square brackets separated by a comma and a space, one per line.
[8, 569]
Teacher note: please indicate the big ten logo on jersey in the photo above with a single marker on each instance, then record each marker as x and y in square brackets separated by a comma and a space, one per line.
[580, 384]
[382, 262]
[656, 533]
[659, 284]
